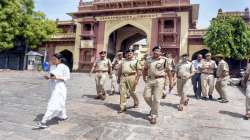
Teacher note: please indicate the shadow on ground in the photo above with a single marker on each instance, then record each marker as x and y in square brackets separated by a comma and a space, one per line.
[232, 114]
[135, 114]
[89, 96]
[175, 106]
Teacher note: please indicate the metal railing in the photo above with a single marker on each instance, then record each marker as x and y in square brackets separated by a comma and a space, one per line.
[63, 35]
[88, 33]
[197, 32]
[169, 30]
[168, 44]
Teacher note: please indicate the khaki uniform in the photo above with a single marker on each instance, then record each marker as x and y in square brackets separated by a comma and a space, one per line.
[155, 82]
[207, 76]
[128, 69]
[101, 70]
[184, 70]
[173, 65]
[116, 63]
[248, 90]
[221, 83]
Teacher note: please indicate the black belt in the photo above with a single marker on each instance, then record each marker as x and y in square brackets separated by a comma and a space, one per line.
[129, 74]
[178, 77]
[157, 77]
[207, 73]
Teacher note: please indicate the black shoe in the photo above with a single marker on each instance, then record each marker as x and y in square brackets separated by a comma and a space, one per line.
[112, 93]
[163, 96]
[197, 97]
[103, 97]
[98, 97]
[210, 97]
[128, 96]
[121, 111]
[204, 98]
[224, 101]
[219, 99]
[246, 117]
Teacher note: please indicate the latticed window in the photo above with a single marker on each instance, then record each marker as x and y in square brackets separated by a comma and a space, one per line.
[168, 24]
[87, 27]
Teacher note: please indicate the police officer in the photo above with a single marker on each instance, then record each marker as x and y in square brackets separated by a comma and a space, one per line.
[115, 66]
[102, 68]
[170, 60]
[222, 74]
[156, 69]
[128, 76]
[184, 72]
[208, 67]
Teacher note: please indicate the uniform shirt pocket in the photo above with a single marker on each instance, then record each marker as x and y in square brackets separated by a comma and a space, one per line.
[132, 65]
[159, 66]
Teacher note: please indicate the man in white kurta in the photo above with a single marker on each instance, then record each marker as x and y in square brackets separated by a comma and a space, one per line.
[58, 94]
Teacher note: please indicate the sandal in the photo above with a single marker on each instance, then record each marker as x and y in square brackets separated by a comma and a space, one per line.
[180, 108]
[186, 102]
[150, 117]
[153, 121]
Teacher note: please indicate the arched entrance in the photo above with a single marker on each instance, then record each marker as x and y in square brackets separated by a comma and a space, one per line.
[69, 57]
[203, 52]
[124, 38]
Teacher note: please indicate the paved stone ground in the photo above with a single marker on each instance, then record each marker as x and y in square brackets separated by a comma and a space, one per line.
[23, 100]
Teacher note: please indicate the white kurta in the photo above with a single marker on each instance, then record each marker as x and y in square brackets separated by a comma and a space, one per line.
[58, 93]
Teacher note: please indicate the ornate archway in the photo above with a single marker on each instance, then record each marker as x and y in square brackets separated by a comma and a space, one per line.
[123, 38]
[142, 24]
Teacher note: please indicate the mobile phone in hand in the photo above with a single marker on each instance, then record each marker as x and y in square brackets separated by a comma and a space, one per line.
[52, 75]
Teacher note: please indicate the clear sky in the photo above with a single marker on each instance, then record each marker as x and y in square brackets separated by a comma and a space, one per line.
[208, 8]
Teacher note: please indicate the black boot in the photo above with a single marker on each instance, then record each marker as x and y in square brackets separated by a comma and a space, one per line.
[204, 98]
[210, 97]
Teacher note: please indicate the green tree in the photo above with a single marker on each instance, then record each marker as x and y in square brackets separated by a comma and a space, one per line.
[229, 36]
[18, 19]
